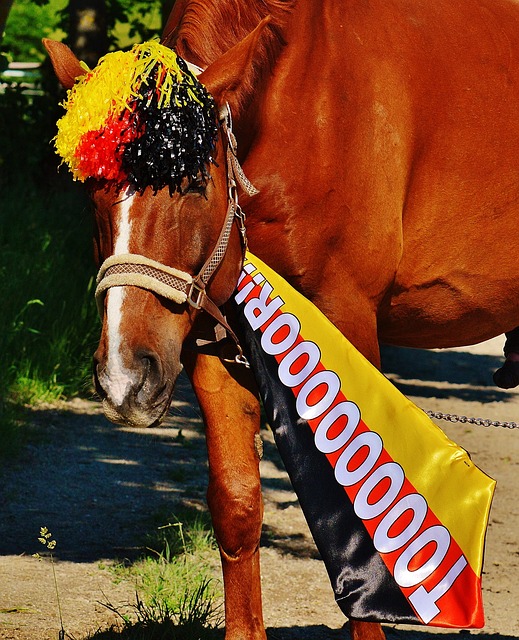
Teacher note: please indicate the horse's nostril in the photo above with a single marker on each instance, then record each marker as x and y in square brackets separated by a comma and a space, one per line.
[151, 370]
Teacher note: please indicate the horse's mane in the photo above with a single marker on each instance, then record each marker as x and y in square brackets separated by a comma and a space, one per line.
[202, 30]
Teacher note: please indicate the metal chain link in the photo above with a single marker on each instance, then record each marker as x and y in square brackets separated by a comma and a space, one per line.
[481, 422]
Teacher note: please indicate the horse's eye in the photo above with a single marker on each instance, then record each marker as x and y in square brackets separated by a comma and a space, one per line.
[197, 185]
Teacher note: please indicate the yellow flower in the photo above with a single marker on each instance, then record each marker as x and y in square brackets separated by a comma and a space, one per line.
[45, 538]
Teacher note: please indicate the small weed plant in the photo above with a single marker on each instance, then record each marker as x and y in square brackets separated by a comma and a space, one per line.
[49, 543]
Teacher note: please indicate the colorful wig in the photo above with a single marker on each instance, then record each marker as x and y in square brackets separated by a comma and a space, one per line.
[140, 118]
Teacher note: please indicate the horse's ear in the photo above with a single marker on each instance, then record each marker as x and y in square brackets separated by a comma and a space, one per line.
[231, 77]
[66, 66]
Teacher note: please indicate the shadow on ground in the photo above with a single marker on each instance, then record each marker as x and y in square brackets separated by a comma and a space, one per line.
[311, 632]
[321, 632]
[412, 369]
[97, 487]
[100, 488]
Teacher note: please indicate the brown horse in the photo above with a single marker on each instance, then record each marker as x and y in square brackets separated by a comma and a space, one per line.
[384, 139]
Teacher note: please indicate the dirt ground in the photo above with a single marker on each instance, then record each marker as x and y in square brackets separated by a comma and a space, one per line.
[96, 487]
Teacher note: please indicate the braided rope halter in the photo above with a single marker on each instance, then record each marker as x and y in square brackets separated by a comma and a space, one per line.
[176, 285]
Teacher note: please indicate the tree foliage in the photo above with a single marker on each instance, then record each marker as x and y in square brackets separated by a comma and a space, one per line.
[27, 23]
[125, 22]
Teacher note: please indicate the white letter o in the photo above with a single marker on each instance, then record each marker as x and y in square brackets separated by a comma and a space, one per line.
[365, 509]
[329, 445]
[283, 320]
[310, 411]
[368, 439]
[290, 379]
[383, 543]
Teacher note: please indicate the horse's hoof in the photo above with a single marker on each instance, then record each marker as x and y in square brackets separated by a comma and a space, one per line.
[508, 376]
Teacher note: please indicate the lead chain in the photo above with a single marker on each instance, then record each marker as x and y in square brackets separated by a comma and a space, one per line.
[481, 422]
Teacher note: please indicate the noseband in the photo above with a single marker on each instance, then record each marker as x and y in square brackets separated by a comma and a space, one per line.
[176, 285]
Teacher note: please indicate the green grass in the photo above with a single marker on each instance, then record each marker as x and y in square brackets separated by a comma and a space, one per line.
[177, 595]
[48, 323]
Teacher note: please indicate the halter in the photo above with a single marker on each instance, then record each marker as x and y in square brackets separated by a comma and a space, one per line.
[176, 285]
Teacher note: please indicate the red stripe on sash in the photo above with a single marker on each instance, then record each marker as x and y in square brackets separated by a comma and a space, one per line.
[426, 562]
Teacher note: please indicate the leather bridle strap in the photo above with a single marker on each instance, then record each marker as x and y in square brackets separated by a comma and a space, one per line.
[138, 271]
[174, 284]
[170, 283]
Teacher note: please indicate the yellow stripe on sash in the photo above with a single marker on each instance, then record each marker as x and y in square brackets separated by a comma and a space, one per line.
[439, 469]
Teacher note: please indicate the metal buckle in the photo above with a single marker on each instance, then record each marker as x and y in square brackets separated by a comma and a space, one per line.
[194, 300]
[241, 359]
[241, 218]
[232, 189]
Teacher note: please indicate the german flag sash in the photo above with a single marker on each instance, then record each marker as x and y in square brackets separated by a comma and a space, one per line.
[397, 510]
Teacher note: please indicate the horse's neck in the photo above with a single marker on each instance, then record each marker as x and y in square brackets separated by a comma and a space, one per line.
[201, 32]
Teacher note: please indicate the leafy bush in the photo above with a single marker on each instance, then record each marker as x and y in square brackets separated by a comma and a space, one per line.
[127, 22]
[27, 126]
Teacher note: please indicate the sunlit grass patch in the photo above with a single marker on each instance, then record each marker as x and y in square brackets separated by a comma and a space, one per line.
[177, 593]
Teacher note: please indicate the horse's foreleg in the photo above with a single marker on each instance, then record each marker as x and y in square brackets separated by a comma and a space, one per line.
[366, 630]
[231, 413]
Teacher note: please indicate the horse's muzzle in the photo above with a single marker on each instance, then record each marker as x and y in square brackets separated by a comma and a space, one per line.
[138, 396]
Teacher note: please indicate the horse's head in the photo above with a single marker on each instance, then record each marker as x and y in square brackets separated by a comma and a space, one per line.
[153, 146]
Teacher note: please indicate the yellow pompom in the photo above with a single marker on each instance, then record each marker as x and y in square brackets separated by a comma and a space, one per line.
[106, 91]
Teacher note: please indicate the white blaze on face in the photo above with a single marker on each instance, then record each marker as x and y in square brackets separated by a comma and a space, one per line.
[119, 377]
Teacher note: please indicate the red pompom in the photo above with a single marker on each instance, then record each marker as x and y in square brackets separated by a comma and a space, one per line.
[99, 153]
